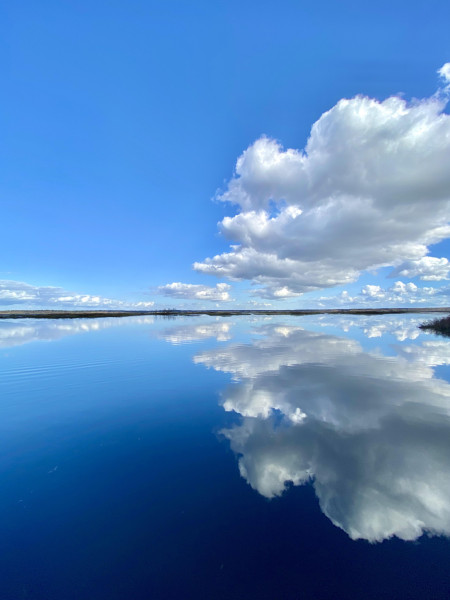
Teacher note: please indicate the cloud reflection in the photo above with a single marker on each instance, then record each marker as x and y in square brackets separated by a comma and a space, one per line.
[182, 334]
[370, 432]
[22, 331]
[376, 326]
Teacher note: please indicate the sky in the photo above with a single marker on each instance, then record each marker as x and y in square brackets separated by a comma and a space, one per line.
[224, 154]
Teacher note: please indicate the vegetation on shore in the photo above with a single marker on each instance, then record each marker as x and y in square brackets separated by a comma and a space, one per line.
[94, 314]
[441, 326]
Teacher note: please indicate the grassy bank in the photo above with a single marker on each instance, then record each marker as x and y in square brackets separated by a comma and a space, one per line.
[441, 326]
[95, 314]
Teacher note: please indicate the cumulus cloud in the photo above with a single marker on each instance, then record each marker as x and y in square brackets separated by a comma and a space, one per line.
[14, 293]
[190, 291]
[370, 433]
[427, 268]
[398, 294]
[370, 189]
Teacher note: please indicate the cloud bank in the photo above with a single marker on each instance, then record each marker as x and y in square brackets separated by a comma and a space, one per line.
[18, 293]
[191, 291]
[370, 189]
[398, 294]
[370, 432]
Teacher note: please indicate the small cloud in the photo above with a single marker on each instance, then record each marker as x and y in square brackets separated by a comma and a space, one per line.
[444, 72]
[398, 294]
[190, 291]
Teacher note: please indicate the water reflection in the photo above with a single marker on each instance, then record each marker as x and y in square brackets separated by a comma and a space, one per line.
[402, 327]
[186, 333]
[22, 331]
[370, 432]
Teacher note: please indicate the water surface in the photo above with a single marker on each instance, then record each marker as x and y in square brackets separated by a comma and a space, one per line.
[244, 457]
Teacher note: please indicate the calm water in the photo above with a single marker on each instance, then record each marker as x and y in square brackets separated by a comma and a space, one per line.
[233, 458]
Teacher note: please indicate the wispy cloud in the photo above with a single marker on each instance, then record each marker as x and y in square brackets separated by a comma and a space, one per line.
[444, 72]
[370, 189]
[190, 291]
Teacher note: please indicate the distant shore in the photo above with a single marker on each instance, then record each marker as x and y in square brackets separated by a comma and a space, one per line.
[95, 314]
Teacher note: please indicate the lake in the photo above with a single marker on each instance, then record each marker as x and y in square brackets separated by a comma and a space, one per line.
[224, 458]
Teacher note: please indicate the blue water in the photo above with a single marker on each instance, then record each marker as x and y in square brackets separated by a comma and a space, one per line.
[233, 458]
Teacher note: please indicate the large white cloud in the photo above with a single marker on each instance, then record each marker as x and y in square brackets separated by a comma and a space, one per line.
[191, 291]
[18, 293]
[371, 188]
[371, 432]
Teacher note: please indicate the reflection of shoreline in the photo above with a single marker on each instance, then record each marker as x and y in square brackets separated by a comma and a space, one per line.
[95, 314]
[370, 433]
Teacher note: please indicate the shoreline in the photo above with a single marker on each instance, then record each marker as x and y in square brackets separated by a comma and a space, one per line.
[96, 314]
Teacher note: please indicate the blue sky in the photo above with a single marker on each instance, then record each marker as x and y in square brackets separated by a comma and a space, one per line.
[121, 120]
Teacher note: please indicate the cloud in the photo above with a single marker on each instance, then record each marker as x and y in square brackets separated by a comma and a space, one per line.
[190, 291]
[427, 268]
[444, 72]
[371, 433]
[370, 189]
[396, 295]
[14, 293]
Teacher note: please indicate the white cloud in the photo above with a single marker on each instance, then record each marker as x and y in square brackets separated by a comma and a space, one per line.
[14, 293]
[190, 291]
[370, 432]
[370, 189]
[427, 268]
[259, 305]
[444, 72]
[398, 294]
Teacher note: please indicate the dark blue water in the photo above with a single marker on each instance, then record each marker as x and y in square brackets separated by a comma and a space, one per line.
[224, 459]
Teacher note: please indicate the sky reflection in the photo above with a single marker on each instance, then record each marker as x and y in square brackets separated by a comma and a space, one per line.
[370, 432]
[188, 332]
[16, 332]
[367, 425]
